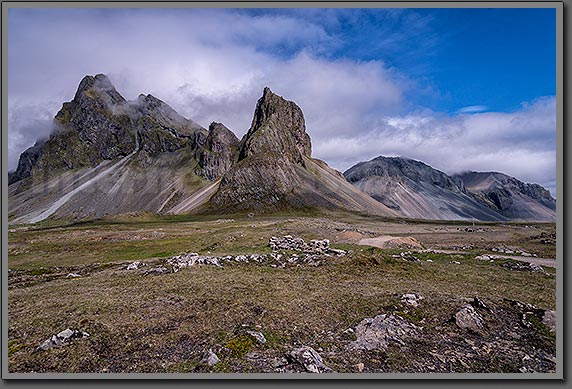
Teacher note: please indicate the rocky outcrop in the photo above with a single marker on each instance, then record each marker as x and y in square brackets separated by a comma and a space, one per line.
[468, 318]
[509, 196]
[27, 161]
[219, 152]
[381, 331]
[278, 128]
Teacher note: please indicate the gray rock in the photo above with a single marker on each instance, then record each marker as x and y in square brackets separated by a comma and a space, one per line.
[61, 339]
[381, 331]
[310, 360]
[257, 335]
[468, 318]
[314, 247]
[407, 256]
[483, 257]
[523, 266]
[549, 319]
[156, 271]
[411, 299]
[210, 359]
[135, 265]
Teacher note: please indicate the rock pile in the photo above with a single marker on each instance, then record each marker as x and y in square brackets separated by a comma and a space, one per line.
[406, 256]
[312, 254]
[315, 246]
[61, 339]
[411, 299]
[510, 251]
[523, 266]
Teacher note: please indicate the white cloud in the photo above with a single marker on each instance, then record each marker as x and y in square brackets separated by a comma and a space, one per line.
[208, 65]
[521, 143]
[212, 66]
[473, 109]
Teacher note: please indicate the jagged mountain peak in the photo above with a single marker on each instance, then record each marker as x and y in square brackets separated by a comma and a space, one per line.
[98, 87]
[278, 129]
[219, 132]
[274, 169]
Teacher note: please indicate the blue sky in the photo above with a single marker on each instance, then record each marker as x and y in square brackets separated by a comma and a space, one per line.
[460, 89]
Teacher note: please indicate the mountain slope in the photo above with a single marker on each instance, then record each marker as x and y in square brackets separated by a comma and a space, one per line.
[274, 169]
[416, 190]
[509, 196]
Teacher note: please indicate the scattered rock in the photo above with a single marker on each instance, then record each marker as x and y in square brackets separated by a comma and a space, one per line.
[468, 318]
[411, 299]
[156, 271]
[61, 339]
[258, 336]
[549, 320]
[135, 265]
[483, 257]
[315, 246]
[311, 254]
[382, 330]
[523, 266]
[407, 256]
[309, 359]
[210, 359]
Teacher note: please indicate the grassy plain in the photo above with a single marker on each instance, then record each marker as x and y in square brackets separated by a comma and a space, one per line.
[166, 323]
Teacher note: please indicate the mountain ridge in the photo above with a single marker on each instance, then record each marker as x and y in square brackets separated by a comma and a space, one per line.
[417, 190]
[107, 155]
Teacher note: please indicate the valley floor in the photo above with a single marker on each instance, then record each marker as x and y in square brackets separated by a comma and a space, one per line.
[474, 303]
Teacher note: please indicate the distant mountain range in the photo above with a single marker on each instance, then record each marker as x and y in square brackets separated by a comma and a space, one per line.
[416, 190]
[107, 155]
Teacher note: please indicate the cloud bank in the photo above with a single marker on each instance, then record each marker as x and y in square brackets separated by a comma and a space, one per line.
[211, 65]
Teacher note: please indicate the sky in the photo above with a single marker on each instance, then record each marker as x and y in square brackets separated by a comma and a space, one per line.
[459, 89]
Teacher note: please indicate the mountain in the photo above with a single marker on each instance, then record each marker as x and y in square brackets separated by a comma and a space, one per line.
[107, 155]
[99, 124]
[274, 169]
[509, 196]
[416, 190]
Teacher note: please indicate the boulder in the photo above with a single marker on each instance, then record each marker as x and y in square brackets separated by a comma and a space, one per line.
[468, 318]
[309, 359]
[381, 331]
[210, 359]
